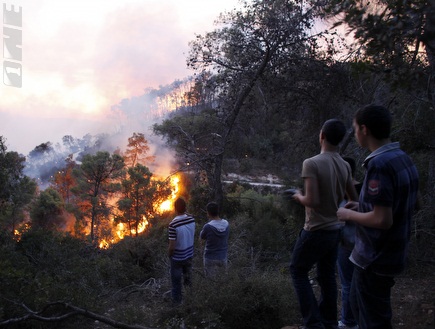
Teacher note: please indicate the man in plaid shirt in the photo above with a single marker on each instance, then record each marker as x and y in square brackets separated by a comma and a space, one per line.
[383, 218]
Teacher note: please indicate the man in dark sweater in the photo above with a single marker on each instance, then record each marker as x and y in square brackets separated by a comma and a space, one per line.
[215, 234]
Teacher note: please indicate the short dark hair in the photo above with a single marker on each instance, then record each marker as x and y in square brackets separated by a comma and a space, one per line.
[180, 206]
[334, 131]
[377, 119]
[213, 208]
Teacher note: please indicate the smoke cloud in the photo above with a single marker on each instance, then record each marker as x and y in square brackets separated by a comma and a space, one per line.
[82, 59]
[137, 114]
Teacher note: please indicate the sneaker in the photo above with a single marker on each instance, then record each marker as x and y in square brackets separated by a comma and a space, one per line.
[341, 325]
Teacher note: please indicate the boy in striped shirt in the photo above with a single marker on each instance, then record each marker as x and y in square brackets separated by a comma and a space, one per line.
[181, 233]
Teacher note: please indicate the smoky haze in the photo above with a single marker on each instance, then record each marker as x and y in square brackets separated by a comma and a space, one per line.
[81, 58]
[136, 114]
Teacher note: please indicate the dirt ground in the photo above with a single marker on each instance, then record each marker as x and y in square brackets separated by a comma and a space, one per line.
[413, 298]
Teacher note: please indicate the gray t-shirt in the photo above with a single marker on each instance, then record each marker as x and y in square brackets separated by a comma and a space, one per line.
[332, 174]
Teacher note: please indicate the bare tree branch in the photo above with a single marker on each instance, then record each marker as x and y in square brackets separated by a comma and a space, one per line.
[69, 311]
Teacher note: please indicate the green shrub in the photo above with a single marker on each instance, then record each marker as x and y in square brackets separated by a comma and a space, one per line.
[240, 299]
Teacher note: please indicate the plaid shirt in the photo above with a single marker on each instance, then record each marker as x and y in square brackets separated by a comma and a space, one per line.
[391, 180]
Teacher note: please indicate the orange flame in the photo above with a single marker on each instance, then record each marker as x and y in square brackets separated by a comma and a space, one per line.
[121, 230]
[167, 204]
[20, 230]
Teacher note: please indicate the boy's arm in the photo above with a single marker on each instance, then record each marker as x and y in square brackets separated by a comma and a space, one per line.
[311, 198]
[380, 217]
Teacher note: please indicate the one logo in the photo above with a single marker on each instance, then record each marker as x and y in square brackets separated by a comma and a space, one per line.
[374, 186]
[12, 46]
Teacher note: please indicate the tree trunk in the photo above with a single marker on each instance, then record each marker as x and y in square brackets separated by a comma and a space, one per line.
[218, 193]
[94, 215]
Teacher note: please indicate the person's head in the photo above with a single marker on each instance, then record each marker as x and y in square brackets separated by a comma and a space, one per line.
[180, 206]
[351, 163]
[375, 120]
[213, 209]
[333, 131]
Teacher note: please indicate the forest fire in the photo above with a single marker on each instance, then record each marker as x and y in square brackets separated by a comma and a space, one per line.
[112, 230]
[167, 204]
[105, 197]
[121, 229]
[19, 232]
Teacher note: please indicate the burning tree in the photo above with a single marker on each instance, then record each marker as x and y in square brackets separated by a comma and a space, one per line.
[63, 180]
[141, 194]
[109, 200]
[137, 149]
[96, 180]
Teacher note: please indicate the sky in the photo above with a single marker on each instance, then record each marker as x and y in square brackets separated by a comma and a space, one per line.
[80, 58]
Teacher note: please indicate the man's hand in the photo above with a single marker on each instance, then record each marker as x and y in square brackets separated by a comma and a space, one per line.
[344, 214]
[297, 196]
[352, 205]
[380, 217]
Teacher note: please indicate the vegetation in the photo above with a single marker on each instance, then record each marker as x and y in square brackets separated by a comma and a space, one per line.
[141, 194]
[16, 190]
[47, 271]
[264, 83]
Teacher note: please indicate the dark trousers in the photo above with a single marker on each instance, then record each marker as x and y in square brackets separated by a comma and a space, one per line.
[320, 248]
[345, 271]
[180, 270]
[370, 297]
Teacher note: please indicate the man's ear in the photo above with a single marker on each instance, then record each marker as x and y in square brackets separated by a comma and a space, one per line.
[364, 130]
[322, 134]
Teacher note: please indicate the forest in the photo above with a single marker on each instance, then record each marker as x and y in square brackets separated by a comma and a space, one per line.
[88, 248]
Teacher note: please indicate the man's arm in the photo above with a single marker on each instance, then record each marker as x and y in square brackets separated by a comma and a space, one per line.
[311, 198]
[171, 247]
[380, 217]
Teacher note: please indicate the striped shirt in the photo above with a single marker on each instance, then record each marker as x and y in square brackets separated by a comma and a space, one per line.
[182, 231]
[391, 180]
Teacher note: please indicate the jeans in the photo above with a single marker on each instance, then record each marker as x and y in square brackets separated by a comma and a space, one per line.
[213, 267]
[345, 271]
[179, 270]
[370, 297]
[317, 247]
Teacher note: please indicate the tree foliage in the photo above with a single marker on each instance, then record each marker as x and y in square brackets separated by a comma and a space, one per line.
[63, 180]
[251, 43]
[47, 212]
[95, 182]
[137, 149]
[140, 195]
[41, 149]
[16, 189]
[396, 36]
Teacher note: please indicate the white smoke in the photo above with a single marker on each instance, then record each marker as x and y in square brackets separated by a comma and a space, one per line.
[137, 114]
